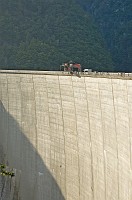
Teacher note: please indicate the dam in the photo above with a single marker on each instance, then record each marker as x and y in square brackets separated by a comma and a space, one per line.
[66, 137]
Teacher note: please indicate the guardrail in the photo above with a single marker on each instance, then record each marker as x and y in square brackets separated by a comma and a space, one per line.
[63, 73]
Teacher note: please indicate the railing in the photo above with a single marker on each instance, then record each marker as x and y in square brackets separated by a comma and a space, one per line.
[64, 73]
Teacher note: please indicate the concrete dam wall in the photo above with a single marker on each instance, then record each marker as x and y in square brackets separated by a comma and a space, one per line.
[67, 138]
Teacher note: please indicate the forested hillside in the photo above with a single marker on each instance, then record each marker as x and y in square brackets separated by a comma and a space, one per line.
[114, 19]
[41, 34]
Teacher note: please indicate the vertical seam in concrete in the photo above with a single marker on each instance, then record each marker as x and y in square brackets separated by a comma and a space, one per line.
[90, 140]
[3, 188]
[48, 114]
[21, 105]
[116, 136]
[77, 138]
[35, 132]
[129, 127]
[63, 136]
[8, 112]
[49, 126]
[35, 113]
[104, 154]
[20, 122]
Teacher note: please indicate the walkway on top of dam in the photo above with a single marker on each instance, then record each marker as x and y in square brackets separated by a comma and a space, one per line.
[113, 75]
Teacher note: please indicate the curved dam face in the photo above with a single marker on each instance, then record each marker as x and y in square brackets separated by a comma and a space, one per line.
[67, 138]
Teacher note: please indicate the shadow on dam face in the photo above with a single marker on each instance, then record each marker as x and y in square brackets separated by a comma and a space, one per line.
[33, 180]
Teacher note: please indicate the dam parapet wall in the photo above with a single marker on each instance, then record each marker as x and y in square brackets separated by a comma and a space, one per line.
[113, 75]
[69, 137]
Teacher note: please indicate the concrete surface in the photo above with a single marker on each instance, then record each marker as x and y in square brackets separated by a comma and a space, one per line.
[67, 138]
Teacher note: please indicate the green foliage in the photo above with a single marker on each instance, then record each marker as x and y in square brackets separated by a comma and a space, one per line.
[4, 172]
[43, 34]
[114, 19]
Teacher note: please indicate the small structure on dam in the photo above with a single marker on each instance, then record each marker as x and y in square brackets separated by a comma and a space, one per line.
[71, 67]
[67, 138]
